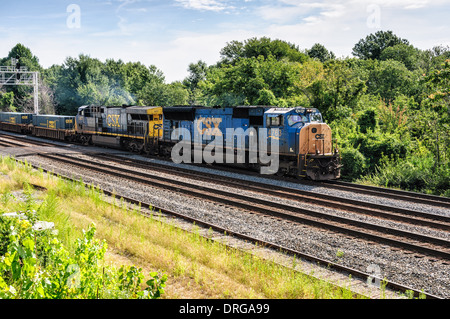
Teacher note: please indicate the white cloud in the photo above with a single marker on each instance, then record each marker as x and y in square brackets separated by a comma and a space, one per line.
[280, 14]
[207, 5]
[174, 57]
[406, 4]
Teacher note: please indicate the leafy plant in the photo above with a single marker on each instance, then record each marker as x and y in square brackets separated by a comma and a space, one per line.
[51, 272]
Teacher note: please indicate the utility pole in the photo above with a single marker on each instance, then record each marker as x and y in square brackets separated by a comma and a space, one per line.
[19, 75]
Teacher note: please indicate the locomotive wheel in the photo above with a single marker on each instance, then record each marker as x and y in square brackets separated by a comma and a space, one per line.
[133, 147]
[281, 172]
[84, 139]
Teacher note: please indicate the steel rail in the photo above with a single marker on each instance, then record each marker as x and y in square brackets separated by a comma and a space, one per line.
[29, 140]
[389, 192]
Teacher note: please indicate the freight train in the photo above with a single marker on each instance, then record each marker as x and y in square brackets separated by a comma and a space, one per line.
[245, 135]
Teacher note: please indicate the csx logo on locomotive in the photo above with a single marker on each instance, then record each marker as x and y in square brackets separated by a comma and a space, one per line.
[208, 129]
[113, 120]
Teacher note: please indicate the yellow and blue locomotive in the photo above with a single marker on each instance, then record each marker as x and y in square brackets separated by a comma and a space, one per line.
[135, 128]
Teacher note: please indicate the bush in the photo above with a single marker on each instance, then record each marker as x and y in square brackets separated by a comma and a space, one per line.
[376, 145]
[367, 120]
[415, 174]
[354, 164]
[24, 273]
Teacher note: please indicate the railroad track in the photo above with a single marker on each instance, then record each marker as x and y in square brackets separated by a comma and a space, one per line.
[432, 221]
[19, 141]
[382, 192]
[370, 209]
[9, 143]
[423, 244]
[326, 263]
[390, 193]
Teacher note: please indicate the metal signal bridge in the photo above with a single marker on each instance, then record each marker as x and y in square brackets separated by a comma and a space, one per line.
[19, 75]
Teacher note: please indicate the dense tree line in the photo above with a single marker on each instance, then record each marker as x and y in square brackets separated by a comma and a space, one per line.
[86, 80]
[388, 105]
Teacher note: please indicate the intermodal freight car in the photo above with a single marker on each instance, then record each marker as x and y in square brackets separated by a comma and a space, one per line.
[53, 126]
[15, 122]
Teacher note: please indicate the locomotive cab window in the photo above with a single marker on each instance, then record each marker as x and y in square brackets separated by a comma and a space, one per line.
[274, 121]
[294, 119]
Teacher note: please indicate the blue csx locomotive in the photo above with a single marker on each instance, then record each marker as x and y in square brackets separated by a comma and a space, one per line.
[304, 143]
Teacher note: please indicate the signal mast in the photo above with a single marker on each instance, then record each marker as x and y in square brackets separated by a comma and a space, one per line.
[19, 75]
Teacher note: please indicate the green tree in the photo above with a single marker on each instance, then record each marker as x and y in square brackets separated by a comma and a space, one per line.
[436, 115]
[197, 72]
[353, 163]
[7, 102]
[25, 57]
[251, 81]
[373, 45]
[23, 95]
[433, 58]
[266, 97]
[339, 87]
[77, 76]
[175, 94]
[318, 51]
[265, 47]
[232, 51]
[367, 120]
[86, 80]
[389, 79]
[404, 53]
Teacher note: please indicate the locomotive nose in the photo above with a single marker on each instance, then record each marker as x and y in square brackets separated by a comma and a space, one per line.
[316, 158]
[316, 139]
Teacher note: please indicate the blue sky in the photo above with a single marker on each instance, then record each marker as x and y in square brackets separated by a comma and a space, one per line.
[171, 34]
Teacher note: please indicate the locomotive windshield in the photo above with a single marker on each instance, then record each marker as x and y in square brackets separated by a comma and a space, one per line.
[294, 119]
[304, 118]
[315, 117]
